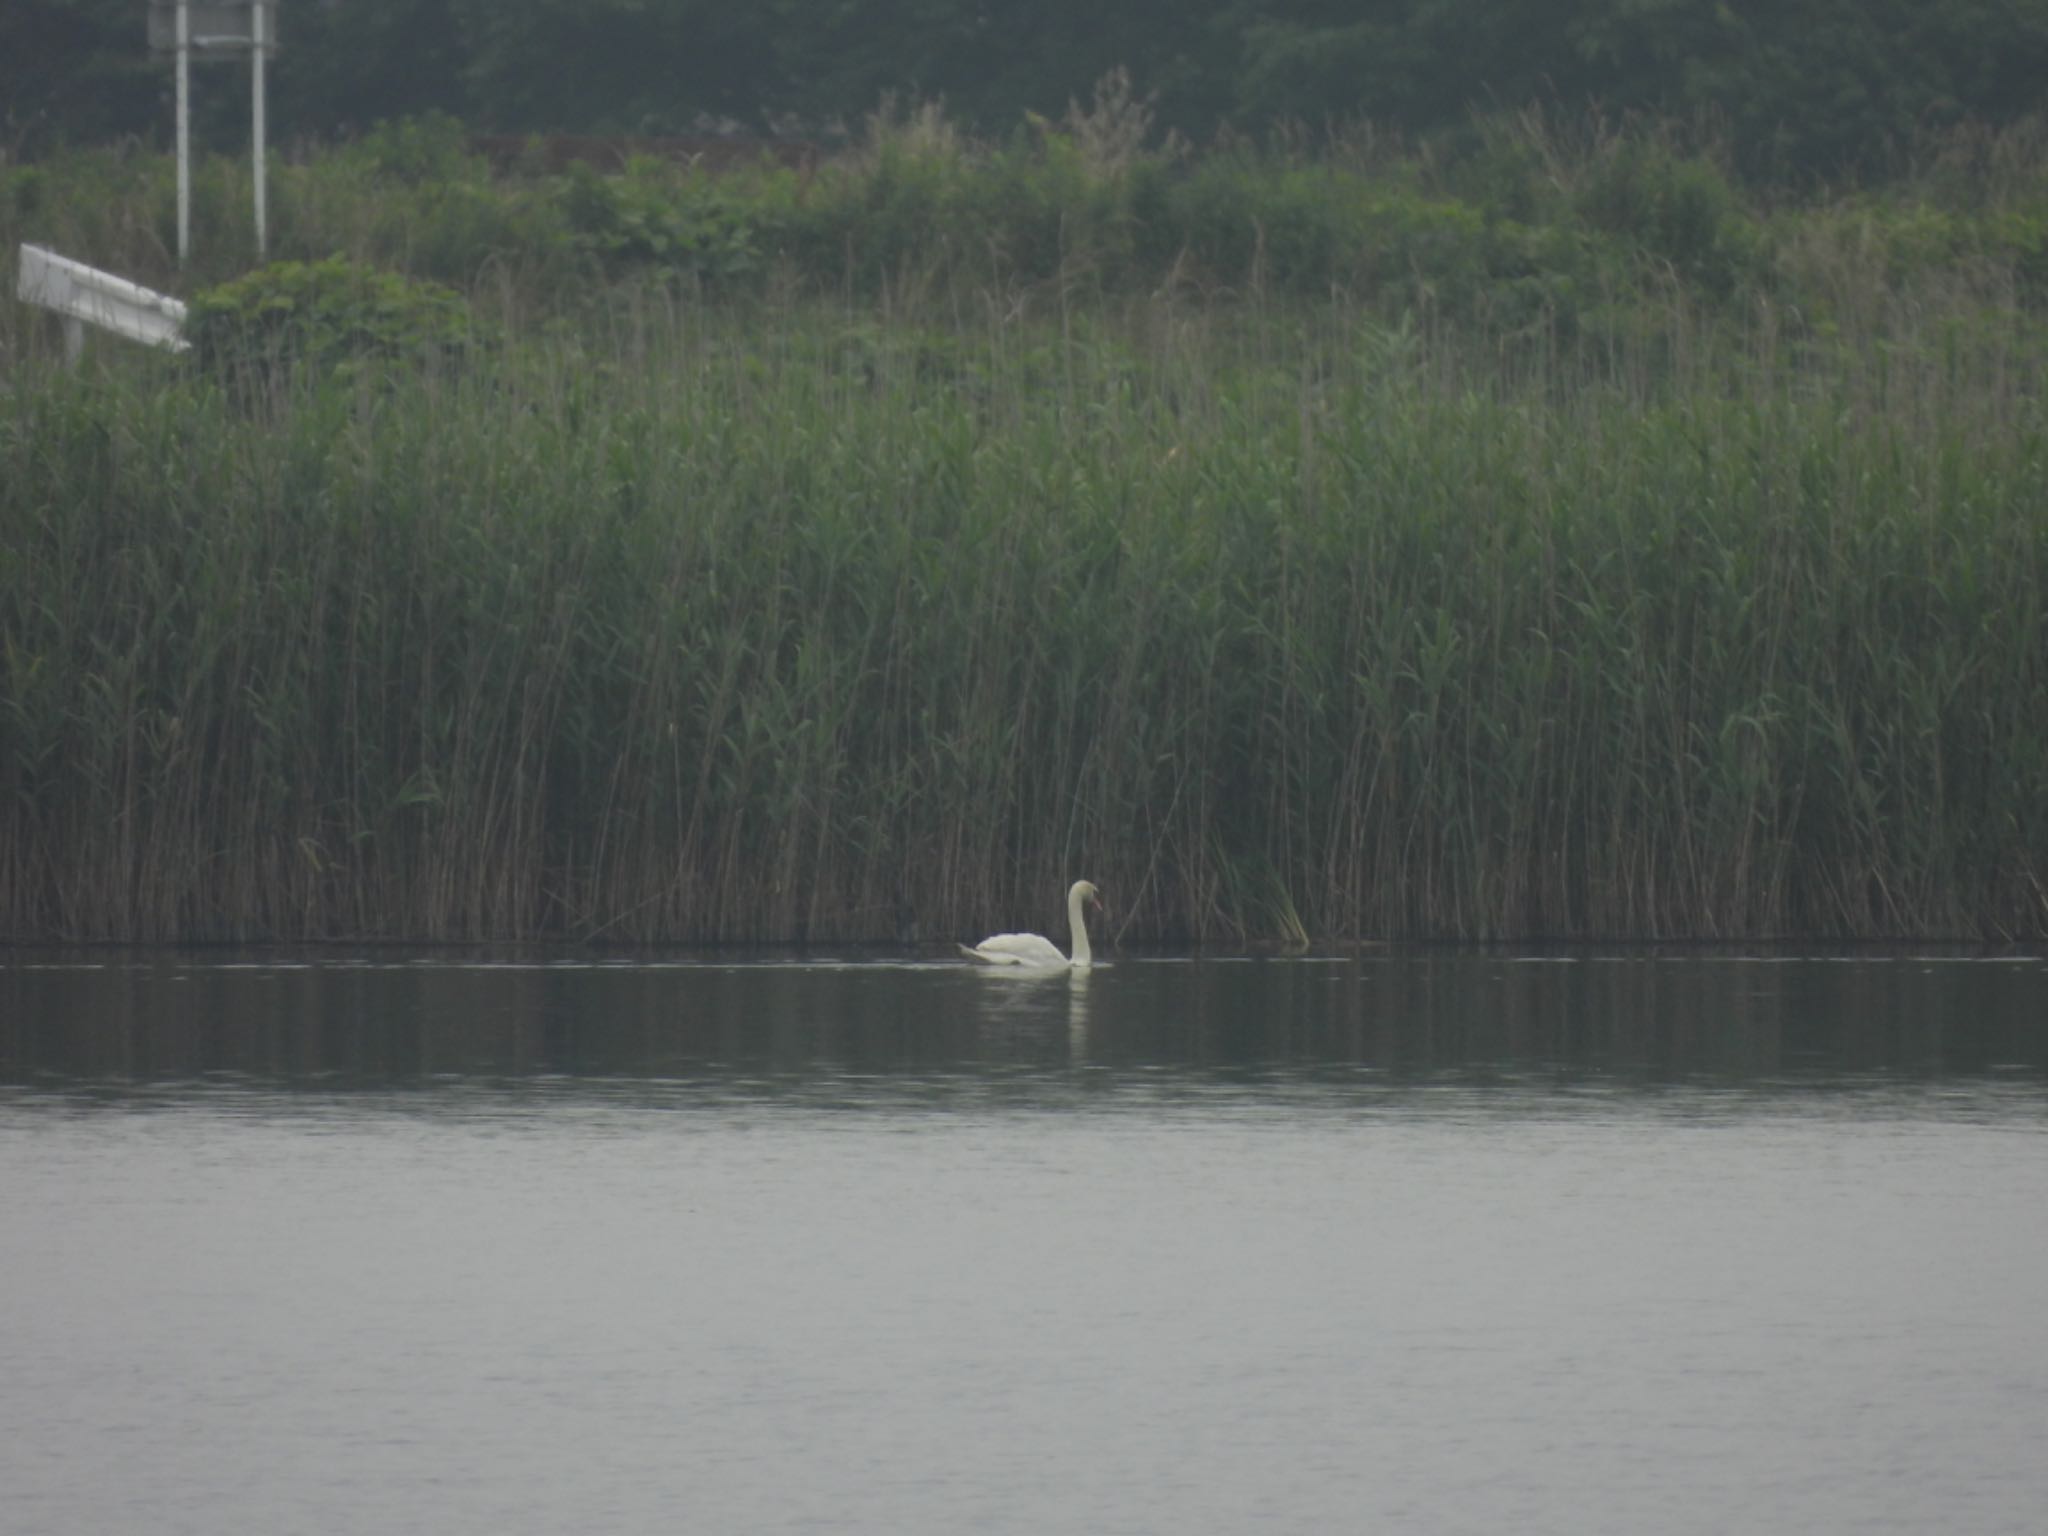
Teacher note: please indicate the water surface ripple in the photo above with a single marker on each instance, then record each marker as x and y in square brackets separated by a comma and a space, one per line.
[1428, 1243]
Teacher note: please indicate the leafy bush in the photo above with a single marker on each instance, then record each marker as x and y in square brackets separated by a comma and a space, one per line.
[432, 147]
[1678, 209]
[1539, 224]
[2022, 238]
[325, 314]
[650, 216]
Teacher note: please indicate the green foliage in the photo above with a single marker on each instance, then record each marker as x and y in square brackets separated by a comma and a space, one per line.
[1535, 225]
[2018, 240]
[685, 224]
[1676, 209]
[1800, 87]
[1544, 537]
[613, 66]
[432, 147]
[768, 622]
[324, 314]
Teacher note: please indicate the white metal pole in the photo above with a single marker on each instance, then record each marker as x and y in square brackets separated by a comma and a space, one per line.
[256, 110]
[184, 130]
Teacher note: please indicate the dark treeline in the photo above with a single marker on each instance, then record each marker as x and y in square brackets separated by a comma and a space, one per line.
[1795, 87]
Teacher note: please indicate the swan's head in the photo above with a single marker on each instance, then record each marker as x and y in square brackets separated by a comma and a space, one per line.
[1085, 893]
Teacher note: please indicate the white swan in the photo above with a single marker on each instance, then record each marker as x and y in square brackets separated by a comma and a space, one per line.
[1037, 951]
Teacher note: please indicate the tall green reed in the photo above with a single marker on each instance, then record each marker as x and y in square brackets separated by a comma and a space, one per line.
[787, 621]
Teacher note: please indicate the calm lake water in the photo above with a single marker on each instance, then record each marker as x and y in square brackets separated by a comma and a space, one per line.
[1377, 1242]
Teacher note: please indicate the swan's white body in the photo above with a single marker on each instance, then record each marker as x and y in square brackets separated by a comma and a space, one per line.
[1034, 950]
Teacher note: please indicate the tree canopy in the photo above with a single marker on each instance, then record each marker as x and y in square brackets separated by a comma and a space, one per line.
[1794, 86]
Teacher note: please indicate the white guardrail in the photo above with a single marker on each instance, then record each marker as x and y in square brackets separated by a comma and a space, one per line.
[87, 296]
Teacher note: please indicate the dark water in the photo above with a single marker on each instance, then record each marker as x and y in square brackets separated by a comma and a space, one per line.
[1380, 1242]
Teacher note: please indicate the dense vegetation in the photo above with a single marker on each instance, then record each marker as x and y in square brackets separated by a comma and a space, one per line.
[1552, 538]
[1797, 86]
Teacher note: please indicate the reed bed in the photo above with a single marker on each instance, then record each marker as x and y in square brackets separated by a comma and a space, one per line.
[787, 622]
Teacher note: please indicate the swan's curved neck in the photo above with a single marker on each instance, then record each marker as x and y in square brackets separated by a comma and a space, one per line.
[1078, 924]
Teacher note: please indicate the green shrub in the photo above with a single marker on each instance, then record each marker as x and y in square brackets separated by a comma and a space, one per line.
[325, 314]
[2022, 238]
[1536, 227]
[434, 147]
[650, 216]
[1676, 209]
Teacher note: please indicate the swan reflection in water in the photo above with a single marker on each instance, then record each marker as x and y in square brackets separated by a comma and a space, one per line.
[1026, 1002]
